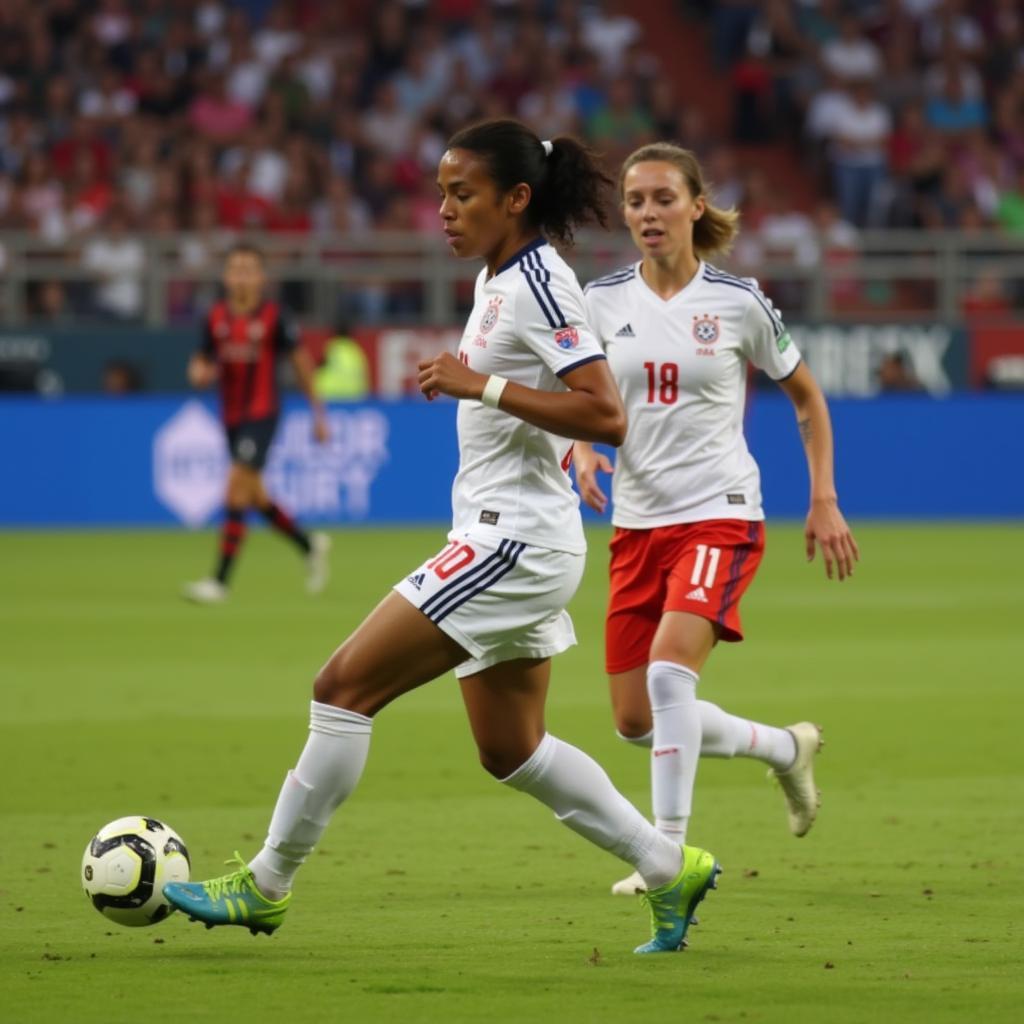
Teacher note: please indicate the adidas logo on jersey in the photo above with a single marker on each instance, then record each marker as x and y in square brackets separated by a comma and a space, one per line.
[417, 579]
[625, 331]
[697, 594]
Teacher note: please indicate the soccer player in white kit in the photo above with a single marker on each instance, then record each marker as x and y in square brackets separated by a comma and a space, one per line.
[689, 532]
[529, 375]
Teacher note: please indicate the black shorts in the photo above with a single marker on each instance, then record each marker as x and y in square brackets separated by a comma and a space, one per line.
[249, 441]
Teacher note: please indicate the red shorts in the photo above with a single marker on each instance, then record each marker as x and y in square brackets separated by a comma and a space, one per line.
[701, 568]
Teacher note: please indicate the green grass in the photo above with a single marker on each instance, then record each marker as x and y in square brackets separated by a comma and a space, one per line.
[438, 894]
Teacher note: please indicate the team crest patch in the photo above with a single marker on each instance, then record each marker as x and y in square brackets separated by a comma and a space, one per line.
[567, 337]
[256, 330]
[491, 314]
[705, 329]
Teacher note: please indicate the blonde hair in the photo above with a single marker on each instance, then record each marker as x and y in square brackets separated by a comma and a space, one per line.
[716, 230]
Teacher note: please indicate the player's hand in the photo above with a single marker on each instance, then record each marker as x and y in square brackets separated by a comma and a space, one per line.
[446, 375]
[588, 464]
[201, 372]
[321, 428]
[827, 528]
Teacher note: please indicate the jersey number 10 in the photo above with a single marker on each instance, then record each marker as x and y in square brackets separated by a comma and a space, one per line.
[663, 382]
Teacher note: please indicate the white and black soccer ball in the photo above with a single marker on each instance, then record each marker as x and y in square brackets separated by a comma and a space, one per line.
[126, 866]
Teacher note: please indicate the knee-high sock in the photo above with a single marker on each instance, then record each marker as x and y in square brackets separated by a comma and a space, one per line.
[725, 735]
[328, 770]
[582, 796]
[675, 751]
[284, 524]
[231, 536]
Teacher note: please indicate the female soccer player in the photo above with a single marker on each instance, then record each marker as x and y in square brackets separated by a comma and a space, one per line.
[491, 604]
[688, 538]
[244, 337]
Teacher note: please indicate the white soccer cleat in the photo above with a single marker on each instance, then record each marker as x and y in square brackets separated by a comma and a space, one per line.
[630, 886]
[797, 781]
[208, 591]
[318, 567]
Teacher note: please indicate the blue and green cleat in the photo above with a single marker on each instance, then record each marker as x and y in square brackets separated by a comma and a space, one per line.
[230, 899]
[672, 905]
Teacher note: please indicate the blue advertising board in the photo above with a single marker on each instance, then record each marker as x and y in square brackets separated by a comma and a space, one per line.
[152, 461]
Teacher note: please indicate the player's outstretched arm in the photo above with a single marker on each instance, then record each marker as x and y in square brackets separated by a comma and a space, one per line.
[202, 370]
[589, 463]
[591, 410]
[304, 375]
[825, 524]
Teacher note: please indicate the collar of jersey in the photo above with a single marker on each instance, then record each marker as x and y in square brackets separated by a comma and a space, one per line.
[685, 290]
[515, 258]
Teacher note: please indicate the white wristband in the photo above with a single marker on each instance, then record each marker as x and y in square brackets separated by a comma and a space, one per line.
[492, 390]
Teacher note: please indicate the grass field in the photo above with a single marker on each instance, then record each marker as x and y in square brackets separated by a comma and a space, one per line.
[439, 895]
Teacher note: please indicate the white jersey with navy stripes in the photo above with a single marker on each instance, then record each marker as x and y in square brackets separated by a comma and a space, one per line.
[681, 366]
[528, 325]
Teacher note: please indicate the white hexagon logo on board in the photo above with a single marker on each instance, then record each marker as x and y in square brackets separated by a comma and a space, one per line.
[190, 461]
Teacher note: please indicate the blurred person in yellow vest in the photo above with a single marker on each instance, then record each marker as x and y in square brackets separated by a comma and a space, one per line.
[344, 374]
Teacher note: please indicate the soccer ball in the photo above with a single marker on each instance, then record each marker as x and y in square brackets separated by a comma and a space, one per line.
[126, 865]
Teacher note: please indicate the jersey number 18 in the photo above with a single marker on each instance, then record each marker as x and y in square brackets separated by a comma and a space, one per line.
[663, 382]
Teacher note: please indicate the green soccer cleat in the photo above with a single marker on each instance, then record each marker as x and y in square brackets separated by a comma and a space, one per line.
[230, 899]
[672, 905]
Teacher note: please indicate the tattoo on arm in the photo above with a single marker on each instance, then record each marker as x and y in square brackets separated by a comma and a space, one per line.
[805, 431]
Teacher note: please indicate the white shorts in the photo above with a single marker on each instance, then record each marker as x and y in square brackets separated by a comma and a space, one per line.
[500, 601]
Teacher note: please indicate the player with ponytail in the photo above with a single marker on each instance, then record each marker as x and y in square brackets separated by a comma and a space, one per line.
[529, 377]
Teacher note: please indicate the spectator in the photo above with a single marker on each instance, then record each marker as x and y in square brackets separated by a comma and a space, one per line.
[115, 260]
[623, 124]
[215, 115]
[859, 140]
[1010, 206]
[953, 111]
[121, 377]
[894, 375]
[851, 56]
[386, 126]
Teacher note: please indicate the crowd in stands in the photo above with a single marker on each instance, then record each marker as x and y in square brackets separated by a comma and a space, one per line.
[122, 119]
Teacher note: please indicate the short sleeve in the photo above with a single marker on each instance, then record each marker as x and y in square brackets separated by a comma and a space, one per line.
[765, 340]
[286, 334]
[551, 320]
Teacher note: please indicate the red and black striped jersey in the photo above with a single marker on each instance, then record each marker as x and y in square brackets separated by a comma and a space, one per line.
[247, 349]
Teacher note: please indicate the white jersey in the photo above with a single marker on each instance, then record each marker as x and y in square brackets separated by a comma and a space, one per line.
[528, 325]
[681, 366]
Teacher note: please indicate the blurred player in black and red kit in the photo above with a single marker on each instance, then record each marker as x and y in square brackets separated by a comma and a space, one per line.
[244, 337]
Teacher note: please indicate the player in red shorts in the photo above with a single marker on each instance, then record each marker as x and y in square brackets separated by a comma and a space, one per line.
[244, 337]
[689, 529]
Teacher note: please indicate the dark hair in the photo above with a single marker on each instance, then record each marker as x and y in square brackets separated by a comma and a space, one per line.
[245, 248]
[567, 185]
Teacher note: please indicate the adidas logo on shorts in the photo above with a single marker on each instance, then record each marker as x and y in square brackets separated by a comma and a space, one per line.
[625, 331]
[697, 594]
[417, 579]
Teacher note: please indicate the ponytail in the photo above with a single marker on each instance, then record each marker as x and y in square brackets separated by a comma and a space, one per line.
[567, 185]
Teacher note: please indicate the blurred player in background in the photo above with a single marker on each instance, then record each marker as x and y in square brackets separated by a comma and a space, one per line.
[689, 529]
[490, 605]
[244, 338]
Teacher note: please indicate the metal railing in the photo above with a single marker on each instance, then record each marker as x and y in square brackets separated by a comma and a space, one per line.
[892, 276]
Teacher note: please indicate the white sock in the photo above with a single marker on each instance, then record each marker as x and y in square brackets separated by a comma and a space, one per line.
[675, 751]
[582, 796]
[328, 770]
[726, 735]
